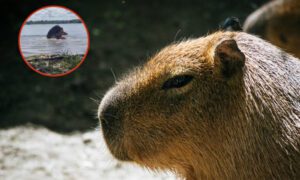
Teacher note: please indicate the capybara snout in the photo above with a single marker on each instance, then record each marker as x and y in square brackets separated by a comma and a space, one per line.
[111, 119]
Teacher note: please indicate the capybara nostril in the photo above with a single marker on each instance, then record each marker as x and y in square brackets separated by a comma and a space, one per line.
[110, 121]
[109, 116]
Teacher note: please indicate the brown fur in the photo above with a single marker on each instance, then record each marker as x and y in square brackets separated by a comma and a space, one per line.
[244, 126]
[278, 22]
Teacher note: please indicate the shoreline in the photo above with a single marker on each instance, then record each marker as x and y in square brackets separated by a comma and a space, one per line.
[55, 63]
[50, 56]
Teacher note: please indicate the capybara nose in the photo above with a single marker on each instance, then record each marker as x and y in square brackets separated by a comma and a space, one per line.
[109, 117]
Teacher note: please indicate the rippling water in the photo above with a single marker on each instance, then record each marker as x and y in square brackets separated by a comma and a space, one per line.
[35, 42]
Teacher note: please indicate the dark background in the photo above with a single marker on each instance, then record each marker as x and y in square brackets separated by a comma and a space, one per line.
[123, 34]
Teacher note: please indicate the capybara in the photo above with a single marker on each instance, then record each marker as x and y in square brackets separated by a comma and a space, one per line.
[224, 106]
[279, 23]
[56, 32]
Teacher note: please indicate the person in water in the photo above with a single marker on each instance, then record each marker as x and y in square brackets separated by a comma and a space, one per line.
[56, 32]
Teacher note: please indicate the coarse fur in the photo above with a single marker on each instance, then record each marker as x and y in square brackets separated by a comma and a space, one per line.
[278, 22]
[242, 126]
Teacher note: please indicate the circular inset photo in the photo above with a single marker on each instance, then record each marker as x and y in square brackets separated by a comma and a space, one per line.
[54, 41]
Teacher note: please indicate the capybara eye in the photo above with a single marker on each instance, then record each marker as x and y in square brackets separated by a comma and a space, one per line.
[177, 82]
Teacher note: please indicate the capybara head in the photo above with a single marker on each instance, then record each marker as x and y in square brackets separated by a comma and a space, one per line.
[153, 110]
[191, 109]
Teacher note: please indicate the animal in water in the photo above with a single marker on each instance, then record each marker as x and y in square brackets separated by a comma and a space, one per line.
[56, 32]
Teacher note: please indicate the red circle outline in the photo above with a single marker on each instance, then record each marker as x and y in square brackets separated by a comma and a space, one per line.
[73, 69]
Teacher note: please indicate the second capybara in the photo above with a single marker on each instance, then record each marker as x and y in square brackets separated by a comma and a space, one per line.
[279, 23]
[224, 106]
[56, 32]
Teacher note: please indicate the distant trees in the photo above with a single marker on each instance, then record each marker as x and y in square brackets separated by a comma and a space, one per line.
[73, 21]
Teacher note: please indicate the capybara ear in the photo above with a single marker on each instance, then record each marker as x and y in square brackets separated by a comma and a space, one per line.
[228, 58]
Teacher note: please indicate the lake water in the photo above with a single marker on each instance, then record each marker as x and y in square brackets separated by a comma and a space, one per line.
[35, 42]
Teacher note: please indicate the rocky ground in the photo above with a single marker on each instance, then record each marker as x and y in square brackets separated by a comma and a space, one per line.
[54, 64]
[32, 152]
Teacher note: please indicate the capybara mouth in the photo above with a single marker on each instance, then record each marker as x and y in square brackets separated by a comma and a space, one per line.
[115, 146]
[113, 138]
[120, 154]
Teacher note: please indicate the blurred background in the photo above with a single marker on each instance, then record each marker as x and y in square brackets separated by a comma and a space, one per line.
[123, 34]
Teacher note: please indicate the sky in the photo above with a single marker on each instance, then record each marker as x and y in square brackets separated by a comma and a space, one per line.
[52, 13]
